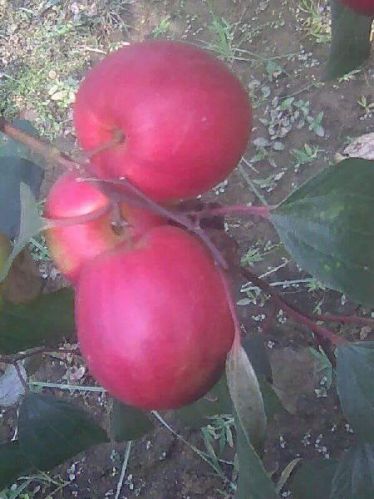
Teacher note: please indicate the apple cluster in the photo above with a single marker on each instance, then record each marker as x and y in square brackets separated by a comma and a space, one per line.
[152, 313]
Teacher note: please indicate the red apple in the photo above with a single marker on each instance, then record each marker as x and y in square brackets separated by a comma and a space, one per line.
[185, 117]
[153, 320]
[365, 7]
[73, 245]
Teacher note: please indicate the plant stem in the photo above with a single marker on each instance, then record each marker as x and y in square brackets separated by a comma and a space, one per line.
[132, 194]
[236, 209]
[346, 319]
[322, 332]
[49, 152]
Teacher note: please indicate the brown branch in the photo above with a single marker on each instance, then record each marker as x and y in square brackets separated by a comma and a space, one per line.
[37, 145]
[322, 332]
[346, 319]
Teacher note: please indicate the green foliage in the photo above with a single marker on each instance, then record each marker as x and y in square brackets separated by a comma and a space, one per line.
[44, 321]
[253, 481]
[350, 43]
[246, 396]
[355, 384]
[326, 225]
[313, 479]
[52, 431]
[12, 463]
[354, 478]
[128, 423]
[13, 172]
[30, 225]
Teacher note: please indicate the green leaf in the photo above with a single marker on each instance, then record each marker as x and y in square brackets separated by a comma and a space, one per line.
[246, 395]
[313, 479]
[355, 385]
[327, 227]
[254, 482]
[350, 43]
[52, 431]
[13, 172]
[128, 423]
[30, 224]
[216, 402]
[254, 346]
[44, 321]
[272, 403]
[354, 478]
[12, 463]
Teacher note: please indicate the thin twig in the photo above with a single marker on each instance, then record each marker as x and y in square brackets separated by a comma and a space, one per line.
[124, 469]
[133, 195]
[238, 209]
[346, 319]
[292, 311]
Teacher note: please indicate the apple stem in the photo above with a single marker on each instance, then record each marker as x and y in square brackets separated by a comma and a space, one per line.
[117, 139]
[323, 333]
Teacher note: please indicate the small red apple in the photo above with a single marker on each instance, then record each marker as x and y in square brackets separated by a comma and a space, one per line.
[185, 118]
[153, 320]
[71, 246]
[365, 7]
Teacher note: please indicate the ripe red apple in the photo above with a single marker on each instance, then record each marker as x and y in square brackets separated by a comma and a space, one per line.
[185, 117]
[365, 7]
[153, 320]
[73, 245]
